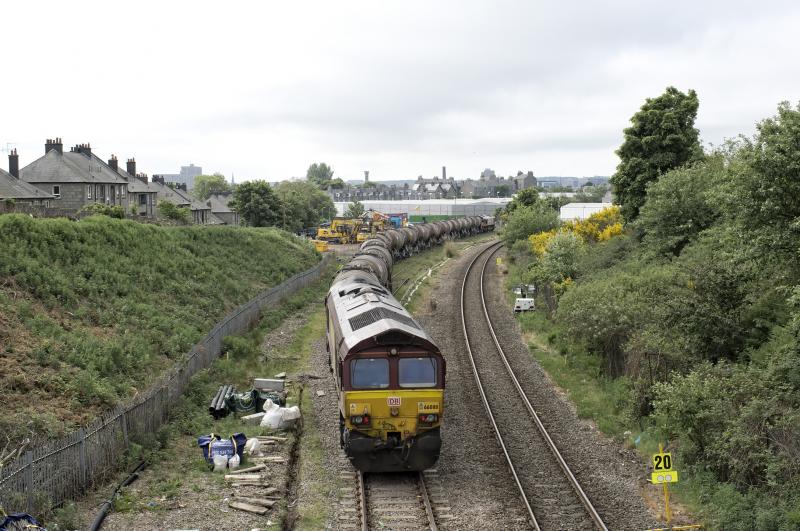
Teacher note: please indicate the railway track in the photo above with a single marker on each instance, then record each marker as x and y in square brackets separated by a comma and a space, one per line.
[550, 492]
[397, 501]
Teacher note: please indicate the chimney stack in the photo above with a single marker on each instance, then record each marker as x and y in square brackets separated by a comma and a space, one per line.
[85, 149]
[53, 143]
[444, 173]
[114, 163]
[366, 176]
[131, 166]
[13, 163]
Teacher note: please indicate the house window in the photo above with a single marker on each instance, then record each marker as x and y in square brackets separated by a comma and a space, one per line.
[143, 199]
[57, 191]
[124, 189]
[88, 191]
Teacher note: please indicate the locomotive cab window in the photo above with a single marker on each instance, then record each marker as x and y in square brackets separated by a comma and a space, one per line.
[417, 372]
[369, 373]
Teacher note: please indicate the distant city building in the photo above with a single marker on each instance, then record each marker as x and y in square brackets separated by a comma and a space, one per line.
[186, 176]
[188, 173]
[572, 211]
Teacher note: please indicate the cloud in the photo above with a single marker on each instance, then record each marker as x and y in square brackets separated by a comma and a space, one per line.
[263, 89]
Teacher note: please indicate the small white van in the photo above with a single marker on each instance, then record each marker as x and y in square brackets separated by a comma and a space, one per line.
[523, 305]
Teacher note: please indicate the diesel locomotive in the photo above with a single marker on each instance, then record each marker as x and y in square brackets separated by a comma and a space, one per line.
[390, 375]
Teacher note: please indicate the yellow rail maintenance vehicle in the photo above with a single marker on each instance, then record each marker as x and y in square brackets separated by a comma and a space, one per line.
[340, 230]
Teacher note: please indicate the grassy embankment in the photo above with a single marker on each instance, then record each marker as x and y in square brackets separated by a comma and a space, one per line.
[92, 311]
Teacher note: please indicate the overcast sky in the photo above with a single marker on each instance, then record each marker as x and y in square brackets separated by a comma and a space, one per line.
[262, 89]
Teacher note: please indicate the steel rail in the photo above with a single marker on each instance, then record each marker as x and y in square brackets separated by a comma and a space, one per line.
[427, 502]
[483, 393]
[587, 504]
[363, 502]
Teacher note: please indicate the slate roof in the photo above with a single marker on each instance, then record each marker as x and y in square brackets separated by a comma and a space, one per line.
[219, 203]
[165, 193]
[194, 204]
[13, 188]
[135, 185]
[71, 167]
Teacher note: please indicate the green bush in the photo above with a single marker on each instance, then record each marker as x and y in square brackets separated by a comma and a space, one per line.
[102, 209]
[170, 211]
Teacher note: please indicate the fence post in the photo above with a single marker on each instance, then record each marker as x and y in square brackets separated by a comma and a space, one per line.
[124, 421]
[29, 480]
[82, 453]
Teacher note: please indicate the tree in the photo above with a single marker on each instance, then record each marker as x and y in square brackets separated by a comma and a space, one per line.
[527, 220]
[662, 137]
[304, 205]
[503, 190]
[207, 185]
[765, 191]
[354, 210]
[678, 206]
[171, 211]
[257, 203]
[320, 174]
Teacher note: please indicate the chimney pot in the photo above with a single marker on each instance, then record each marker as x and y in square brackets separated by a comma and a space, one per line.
[113, 163]
[131, 166]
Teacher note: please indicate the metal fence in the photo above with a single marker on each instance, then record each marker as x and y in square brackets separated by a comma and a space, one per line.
[46, 476]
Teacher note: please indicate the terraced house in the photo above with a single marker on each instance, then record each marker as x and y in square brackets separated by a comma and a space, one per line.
[141, 194]
[76, 178]
[13, 190]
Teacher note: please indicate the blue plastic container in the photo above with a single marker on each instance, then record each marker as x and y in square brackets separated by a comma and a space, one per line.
[214, 445]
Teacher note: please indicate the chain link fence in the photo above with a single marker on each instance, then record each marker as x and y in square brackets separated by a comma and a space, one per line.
[46, 476]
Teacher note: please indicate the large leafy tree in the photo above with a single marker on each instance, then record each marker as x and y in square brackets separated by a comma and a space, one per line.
[320, 174]
[304, 204]
[527, 220]
[661, 137]
[207, 185]
[765, 186]
[679, 205]
[257, 204]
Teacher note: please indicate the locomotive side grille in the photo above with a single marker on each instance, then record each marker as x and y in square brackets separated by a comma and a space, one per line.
[375, 315]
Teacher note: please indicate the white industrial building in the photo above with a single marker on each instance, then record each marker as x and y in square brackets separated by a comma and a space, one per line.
[572, 211]
[432, 209]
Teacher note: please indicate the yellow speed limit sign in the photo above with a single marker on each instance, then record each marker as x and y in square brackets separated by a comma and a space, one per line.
[662, 469]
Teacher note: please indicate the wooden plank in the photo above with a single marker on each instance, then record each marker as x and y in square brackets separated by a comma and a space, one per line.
[271, 438]
[256, 501]
[242, 477]
[247, 507]
[248, 469]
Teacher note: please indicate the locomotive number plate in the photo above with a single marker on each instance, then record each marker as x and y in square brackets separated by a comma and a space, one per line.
[393, 401]
[428, 407]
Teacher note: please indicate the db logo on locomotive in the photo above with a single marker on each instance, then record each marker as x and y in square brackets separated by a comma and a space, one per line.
[393, 401]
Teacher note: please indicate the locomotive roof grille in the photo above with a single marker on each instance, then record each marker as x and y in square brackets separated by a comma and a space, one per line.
[375, 315]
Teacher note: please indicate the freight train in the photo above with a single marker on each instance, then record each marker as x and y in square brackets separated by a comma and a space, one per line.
[390, 375]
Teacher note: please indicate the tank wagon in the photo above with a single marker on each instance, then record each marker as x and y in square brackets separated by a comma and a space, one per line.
[390, 375]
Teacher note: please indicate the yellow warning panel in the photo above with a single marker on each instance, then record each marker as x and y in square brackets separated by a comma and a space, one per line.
[666, 476]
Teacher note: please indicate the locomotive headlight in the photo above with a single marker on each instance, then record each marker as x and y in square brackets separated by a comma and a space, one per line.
[360, 420]
[393, 351]
[394, 411]
[428, 418]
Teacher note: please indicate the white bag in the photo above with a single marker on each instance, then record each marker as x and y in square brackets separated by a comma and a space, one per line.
[233, 462]
[252, 446]
[220, 463]
[279, 418]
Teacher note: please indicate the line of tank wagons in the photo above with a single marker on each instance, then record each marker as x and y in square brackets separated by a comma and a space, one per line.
[378, 254]
[386, 425]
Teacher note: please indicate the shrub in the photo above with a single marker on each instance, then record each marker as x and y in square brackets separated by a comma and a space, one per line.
[173, 212]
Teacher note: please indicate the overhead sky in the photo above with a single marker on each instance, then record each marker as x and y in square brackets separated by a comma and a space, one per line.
[262, 89]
